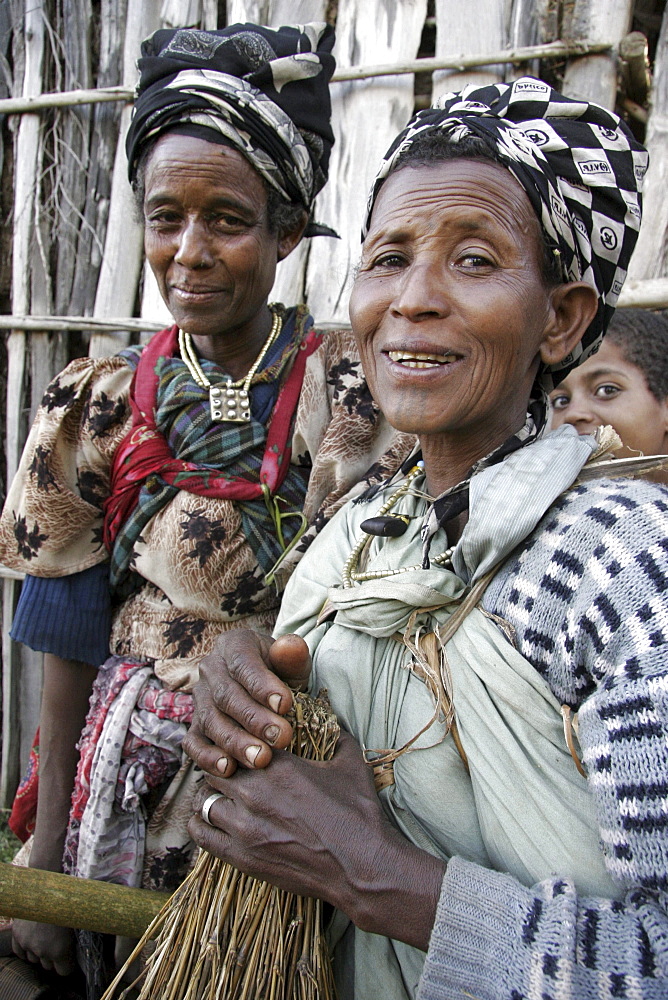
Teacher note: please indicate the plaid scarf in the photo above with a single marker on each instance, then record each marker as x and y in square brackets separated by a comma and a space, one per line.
[174, 445]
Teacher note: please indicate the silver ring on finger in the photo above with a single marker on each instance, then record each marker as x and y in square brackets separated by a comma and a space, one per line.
[206, 807]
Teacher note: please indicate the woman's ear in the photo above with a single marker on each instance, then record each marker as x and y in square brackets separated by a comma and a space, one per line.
[573, 307]
[288, 239]
[664, 424]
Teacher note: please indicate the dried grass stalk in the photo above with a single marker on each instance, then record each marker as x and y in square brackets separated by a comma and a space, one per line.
[224, 935]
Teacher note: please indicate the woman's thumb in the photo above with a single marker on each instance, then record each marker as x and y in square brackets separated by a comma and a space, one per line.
[290, 659]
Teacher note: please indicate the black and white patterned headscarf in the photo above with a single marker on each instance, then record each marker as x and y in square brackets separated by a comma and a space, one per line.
[578, 163]
[263, 91]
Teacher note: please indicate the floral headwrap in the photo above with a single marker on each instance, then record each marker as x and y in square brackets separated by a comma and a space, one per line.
[263, 91]
[578, 163]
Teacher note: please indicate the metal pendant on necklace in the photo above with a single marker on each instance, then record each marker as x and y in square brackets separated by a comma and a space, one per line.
[230, 404]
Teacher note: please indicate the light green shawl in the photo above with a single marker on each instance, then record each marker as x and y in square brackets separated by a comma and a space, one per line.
[524, 808]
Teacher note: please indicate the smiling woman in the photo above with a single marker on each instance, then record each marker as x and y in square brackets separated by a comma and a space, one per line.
[460, 283]
[166, 493]
[462, 614]
[210, 244]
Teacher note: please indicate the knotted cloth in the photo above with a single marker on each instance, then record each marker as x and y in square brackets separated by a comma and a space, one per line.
[580, 166]
[262, 91]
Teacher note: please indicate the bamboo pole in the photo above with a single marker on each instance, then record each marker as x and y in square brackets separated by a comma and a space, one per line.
[122, 258]
[60, 323]
[460, 62]
[26, 175]
[652, 293]
[85, 904]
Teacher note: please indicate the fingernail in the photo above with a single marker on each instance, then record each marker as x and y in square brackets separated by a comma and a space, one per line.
[251, 755]
[271, 734]
[221, 764]
[275, 702]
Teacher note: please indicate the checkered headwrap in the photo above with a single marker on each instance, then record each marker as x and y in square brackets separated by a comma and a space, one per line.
[580, 166]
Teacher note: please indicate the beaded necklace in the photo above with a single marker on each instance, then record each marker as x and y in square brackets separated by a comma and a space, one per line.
[350, 576]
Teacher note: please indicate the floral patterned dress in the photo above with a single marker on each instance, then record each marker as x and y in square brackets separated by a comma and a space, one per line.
[195, 575]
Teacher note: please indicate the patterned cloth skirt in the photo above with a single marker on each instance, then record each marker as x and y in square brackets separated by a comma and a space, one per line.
[133, 792]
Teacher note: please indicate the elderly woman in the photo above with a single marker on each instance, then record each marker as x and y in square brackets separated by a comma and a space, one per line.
[459, 616]
[194, 465]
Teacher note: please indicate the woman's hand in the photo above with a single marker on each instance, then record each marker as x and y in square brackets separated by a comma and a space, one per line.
[318, 829]
[44, 944]
[240, 700]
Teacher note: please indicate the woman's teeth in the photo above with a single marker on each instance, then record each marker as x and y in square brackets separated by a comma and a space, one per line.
[419, 360]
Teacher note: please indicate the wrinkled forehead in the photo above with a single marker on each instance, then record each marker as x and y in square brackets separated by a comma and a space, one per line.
[471, 194]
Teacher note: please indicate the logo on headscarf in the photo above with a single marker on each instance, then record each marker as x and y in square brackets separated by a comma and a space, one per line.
[530, 87]
[594, 167]
[607, 133]
[580, 226]
[537, 137]
[608, 238]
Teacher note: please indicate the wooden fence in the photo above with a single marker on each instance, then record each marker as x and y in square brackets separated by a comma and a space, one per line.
[76, 262]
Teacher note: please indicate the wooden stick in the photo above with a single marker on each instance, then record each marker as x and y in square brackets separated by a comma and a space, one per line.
[10, 574]
[553, 50]
[50, 898]
[635, 110]
[463, 61]
[633, 50]
[65, 99]
[78, 323]
[651, 294]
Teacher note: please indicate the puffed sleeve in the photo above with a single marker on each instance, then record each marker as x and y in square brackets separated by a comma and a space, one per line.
[51, 525]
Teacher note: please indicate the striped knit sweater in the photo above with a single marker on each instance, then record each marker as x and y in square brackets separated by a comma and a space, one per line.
[588, 597]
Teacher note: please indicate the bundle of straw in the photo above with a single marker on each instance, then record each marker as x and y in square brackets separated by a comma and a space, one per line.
[227, 936]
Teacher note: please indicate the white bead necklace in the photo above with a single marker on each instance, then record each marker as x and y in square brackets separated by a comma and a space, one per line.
[231, 400]
[350, 576]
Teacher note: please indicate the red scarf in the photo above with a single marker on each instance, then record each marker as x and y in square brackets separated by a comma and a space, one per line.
[145, 451]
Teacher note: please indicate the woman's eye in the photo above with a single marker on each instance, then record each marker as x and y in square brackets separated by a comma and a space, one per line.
[230, 222]
[560, 402]
[163, 219]
[607, 391]
[389, 260]
[475, 261]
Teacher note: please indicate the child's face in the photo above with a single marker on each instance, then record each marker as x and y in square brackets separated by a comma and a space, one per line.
[608, 389]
